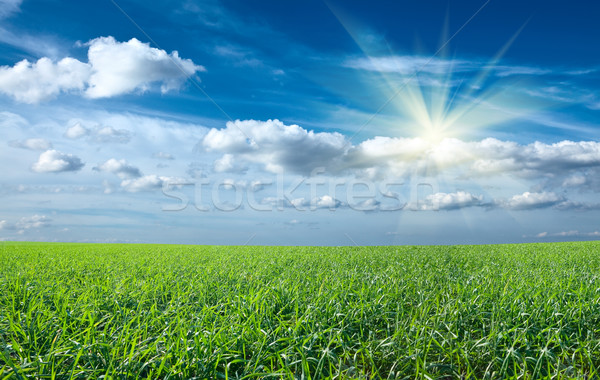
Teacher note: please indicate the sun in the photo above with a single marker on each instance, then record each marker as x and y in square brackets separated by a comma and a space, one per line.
[435, 132]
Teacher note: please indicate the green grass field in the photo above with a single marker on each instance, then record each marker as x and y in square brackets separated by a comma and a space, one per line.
[160, 311]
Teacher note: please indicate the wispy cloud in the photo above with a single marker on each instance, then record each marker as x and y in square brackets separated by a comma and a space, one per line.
[240, 56]
[568, 93]
[572, 233]
[410, 64]
[31, 144]
[9, 7]
[163, 156]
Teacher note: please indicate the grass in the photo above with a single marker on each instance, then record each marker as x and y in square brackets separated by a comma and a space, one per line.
[157, 311]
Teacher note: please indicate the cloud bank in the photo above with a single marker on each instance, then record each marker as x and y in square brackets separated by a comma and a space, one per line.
[275, 146]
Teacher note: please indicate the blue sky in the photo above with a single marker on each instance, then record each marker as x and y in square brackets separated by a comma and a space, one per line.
[315, 122]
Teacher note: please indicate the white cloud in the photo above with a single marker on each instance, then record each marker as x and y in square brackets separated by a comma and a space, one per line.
[26, 222]
[228, 163]
[133, 179]
[275, 145]
[33, 82]
[148, 183]
[120, 168]
[35, 221]
[76, 131]
[577, 206]
[240, 56]
[369, 204]
[319, 202]
[574, 181]
[411, 64]
[98, 134]
[111, 135]
[450, 201]
[256, 185]
[5, 225]
[529, 201]
[326, 201]
[53, 161]
[571, 233]
[31, 144]
[302, 204]
[569, 93]
[139, 67]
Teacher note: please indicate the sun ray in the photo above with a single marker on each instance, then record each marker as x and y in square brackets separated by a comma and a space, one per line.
[424, 92]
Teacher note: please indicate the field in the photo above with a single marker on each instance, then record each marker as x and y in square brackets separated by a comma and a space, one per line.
[162, 311]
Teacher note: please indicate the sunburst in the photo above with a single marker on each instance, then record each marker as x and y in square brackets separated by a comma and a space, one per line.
[431, 102]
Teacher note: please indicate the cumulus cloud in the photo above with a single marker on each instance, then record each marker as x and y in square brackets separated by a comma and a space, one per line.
[325, 201]
[529, 201]
[120, 168]
[140, 66]
[148, 183]
[35, 221]
[76, 131]
[33, 82]
[480, 158]
[53, 161]
[133, 180]
[26, 222]
[302, 203]
[319, 202]
[228, 163]
[99, 134]
[111, 135]
[31, 144]
[275, 145]
[449, 201]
